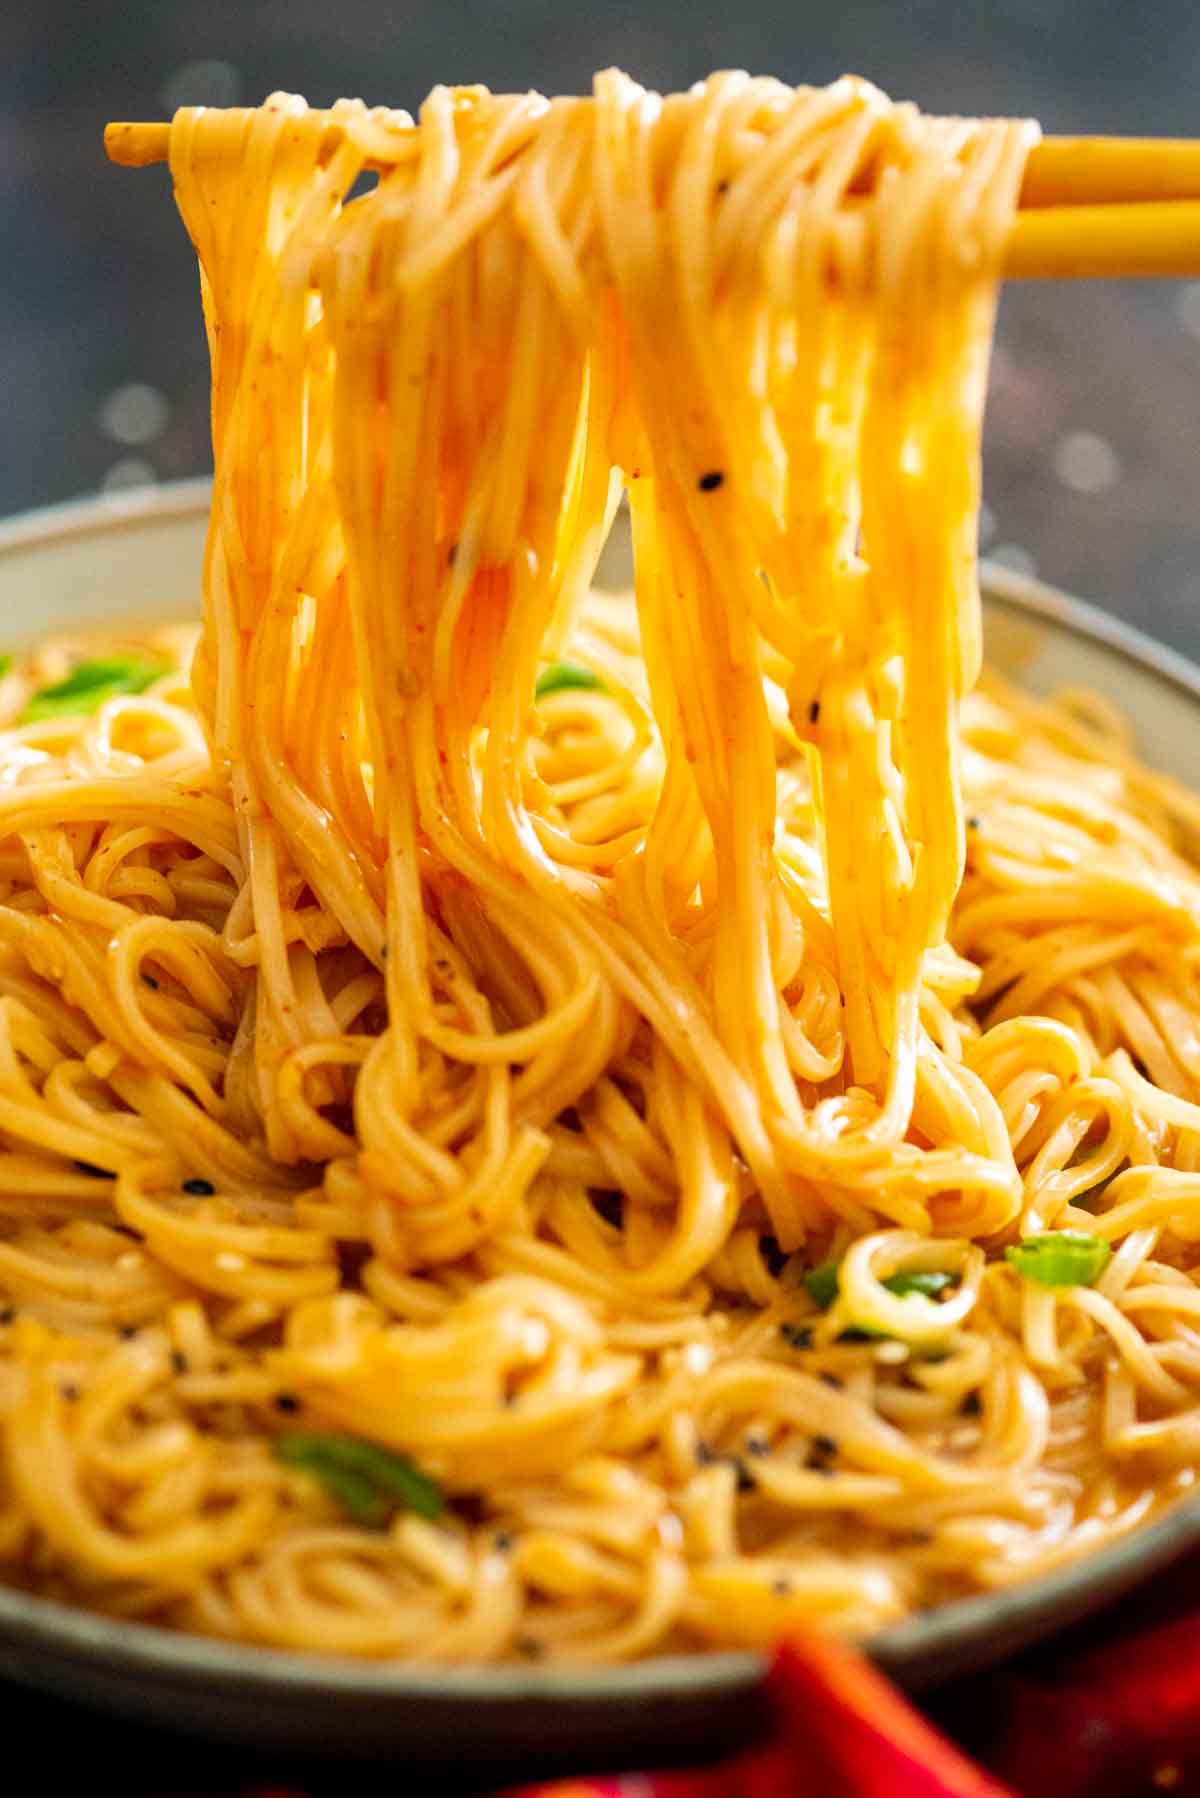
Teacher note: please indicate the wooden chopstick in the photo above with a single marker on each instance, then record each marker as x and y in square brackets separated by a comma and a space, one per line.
[1092, 171]
[1157, 237]
[1061, 171]
[136, 146]
[1089, 206]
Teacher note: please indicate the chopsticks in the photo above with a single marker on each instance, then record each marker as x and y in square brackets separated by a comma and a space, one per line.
[1108, 206]
[1072, 171]
[1102, 206]
[1130, 238]
[136, 146]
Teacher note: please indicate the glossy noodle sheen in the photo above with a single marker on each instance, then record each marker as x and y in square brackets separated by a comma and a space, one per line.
[597, 1047]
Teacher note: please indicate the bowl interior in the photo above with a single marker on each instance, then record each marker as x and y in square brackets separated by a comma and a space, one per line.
[110, 561]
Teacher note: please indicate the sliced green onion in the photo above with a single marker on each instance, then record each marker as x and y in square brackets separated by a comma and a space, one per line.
[354, 1495]
[930, 1284]
[89, 684]
[560, 675]
[1060, 1258]
[821, 1283]
[369, 1482]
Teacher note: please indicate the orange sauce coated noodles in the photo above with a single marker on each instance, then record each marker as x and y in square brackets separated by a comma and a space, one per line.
[544, 1123]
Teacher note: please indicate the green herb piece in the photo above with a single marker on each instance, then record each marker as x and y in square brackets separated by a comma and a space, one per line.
[370, 1483]
[821, 1283]
[5, 664]
[1060, 1258]
[89, 684]
[353, 1492]
[561, 675]
[929, 1284]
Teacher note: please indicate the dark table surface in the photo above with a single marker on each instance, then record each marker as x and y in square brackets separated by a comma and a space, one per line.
[1093, 428]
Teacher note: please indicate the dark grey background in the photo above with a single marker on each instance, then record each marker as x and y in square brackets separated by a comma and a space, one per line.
[1093, 427]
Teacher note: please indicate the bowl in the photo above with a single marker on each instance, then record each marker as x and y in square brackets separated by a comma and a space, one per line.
[111, 560]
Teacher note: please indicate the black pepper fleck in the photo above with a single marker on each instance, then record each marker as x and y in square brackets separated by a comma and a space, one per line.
[774, 1259]
[797, 1336]
[974, 823]
[179, 1361]
[287, 1401]
[469, 1507]
[711, 1457]
[93, 1172]
[831, 1379]
[611, 1207]
[824, 1445]
[69, 1391]
[199, 1189]
[814, 711]
[7, 1313]
[708, 483]
[502, 1543]
[757, 1445]
[150, 981]
[781, 1587]
[972, 1405]
[128, 1332]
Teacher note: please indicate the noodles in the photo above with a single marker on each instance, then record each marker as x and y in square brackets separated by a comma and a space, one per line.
[590, 1052]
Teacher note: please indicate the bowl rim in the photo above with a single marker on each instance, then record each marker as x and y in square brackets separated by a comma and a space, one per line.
[97, 514]
[942, 1638]
[188, 498]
